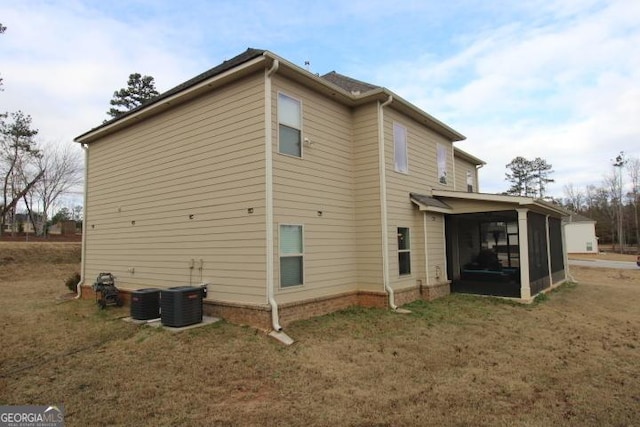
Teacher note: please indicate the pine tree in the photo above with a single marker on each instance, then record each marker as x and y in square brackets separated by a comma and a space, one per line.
[540, 175]
[528, 177]
[139, 91]
[520, 177]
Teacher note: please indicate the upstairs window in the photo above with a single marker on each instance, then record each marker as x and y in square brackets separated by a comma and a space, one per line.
[469, 182]
[291, 256]
[401, 163]
[442, 164]
[289, 126]
[404, 251]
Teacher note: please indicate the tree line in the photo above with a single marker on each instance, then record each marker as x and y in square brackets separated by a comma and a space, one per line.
[35, 175]
[613, 204]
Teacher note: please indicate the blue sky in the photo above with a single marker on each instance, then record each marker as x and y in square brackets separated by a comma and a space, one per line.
[553, 79]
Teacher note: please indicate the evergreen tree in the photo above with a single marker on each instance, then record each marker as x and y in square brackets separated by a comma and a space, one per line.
[528, 177]
[520, 177]
[139, 91]
[540, 175]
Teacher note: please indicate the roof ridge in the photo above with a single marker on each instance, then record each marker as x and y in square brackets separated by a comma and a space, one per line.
[348, 83]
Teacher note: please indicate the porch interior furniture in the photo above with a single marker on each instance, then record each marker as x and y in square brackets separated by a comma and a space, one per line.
[487, 268]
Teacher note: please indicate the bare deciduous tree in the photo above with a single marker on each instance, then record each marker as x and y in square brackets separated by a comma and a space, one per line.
[611, 186]
[2, 30]
[61, 166]
[17, 150]
[574, 198]
[633, 169]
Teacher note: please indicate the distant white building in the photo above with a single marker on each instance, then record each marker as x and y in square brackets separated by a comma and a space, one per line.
[580, 234]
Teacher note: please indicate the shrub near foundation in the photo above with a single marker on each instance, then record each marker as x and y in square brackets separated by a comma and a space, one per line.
[72, 282]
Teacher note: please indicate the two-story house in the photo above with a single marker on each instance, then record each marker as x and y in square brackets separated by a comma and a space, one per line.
[291, 195]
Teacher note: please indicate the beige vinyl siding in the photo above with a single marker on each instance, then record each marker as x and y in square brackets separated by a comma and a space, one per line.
[462, 166]
[422, 177]
[367, 198]
[322, 180]
[435, 248]
[177, 187]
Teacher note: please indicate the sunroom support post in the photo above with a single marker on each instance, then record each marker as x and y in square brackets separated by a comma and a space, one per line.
[546, 224]
[523, 239]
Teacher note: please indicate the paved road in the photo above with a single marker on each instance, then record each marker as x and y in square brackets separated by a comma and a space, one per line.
[624, 265]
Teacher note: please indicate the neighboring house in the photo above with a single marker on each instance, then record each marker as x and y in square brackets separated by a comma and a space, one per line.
[292, 195]
[580, 234]
[64, 227]
[21, 223]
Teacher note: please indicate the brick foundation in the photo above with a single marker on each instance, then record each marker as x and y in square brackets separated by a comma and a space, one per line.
[436, 290]
[240, 314]
[259, 316]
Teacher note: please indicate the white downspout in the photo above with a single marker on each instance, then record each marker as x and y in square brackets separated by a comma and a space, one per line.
[85, 147]
[383, 204]
[275, 318]
[478, 167]
[426, 249]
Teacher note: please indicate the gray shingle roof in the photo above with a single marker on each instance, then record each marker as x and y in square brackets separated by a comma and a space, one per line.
[429, 201]
[347, 83]
[245, 56]
[352, 86]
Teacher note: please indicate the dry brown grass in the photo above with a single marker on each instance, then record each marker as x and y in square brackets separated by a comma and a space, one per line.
[460, 360]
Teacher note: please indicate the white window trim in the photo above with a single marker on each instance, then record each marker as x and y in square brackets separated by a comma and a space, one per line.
[281, 255]
[404, 251]
[406, 147]
[301, 125]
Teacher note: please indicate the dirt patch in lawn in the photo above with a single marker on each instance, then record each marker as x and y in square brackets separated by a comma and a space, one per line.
[461, 360]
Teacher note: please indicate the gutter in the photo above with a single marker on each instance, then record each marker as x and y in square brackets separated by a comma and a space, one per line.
[275, 322]
[478, 167]
[383, 204]
[85, 147]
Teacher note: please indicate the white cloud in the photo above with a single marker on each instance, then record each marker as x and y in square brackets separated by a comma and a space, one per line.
[564, 89]
[65, 63]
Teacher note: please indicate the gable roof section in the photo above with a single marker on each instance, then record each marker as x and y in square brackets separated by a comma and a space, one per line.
[428, 203]
[332, 85]
[576, 217]
[536, 205]
[468, 157]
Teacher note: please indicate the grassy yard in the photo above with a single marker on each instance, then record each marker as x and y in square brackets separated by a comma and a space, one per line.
[571, 359]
